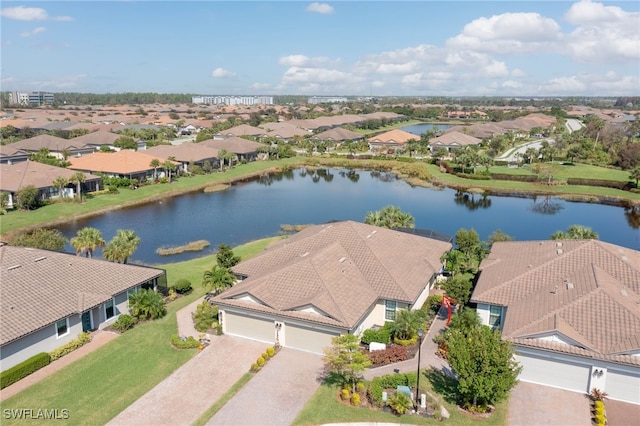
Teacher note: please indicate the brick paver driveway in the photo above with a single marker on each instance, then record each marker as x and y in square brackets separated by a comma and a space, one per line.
[276, 394]
[535, 405]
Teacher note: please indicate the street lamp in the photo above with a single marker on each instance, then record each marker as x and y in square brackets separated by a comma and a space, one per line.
[420, 332]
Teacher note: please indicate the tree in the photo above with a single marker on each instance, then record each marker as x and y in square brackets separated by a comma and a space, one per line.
[468, 242]
[225, 257]
[483, 364]
[126, 142]
[575, 232]
[147, 304]
[121, 246]
[4, 202]
[390, 217]
[635, 175]
[27, 198]
[496, 236]
[453, 260]
[345, 359]
[169, 167]
[218, 278]
[78, 179]
[86, 241]
[60, 182]
[41, 238]
[223, 156]
[459, 288]
[407, 324]
[155, 163]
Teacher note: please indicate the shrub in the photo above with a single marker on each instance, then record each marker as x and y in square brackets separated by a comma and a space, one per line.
[360, 387]
[345, 394]
[70, 346]
[23, 369]
[355, 399]
[473, 176]
[624, 186]
[184, 342]
[388, 356]
[599, 405]
[147, 304]
[374, 393]
[124, 323]
[600, 419]
[392, 381]
[432, 305]
[255, 367]
[260, 362]
[265, 356]
[183, 286]
[206, 314]
[381, 335]
[405, 342]
[271, 351]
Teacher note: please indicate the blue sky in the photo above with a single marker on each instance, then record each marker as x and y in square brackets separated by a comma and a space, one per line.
[379, 48]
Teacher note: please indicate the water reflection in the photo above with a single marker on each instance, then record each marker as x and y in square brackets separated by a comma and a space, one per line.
[269, 178]
[384, 176]
[471, 200]
[632, 214]
[548, 205]
[350, 174]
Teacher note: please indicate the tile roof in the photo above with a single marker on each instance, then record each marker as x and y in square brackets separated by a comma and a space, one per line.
[585, 290]
[52, 143]
[24, 173]
[40, 287]
[233, 144]
[338, 134]
[101, 137]
[185, 152]
[396, 136]
[120, 162]
[244, 130]
[341, 268]
[454, 138]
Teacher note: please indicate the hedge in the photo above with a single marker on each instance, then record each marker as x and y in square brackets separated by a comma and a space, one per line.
[389, 381]
[187, 343]
[23, 369]
[625, 186]
[517, 178]
[71, 346]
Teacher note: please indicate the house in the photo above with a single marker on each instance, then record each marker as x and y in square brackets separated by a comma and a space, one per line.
[571, 309]
[10, 154]
[244, 149]
[124, 164]
[98, 139]
[17, 176]
[393, 139]
[187, 153]
[57, 147]
[243, 130]
[453, 140]
[48, 298]
[327, 280]
[338, 135]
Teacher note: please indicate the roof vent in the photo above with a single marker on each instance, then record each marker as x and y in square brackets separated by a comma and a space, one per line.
[569, 285]
[555, 290]
[559, 251]
[623, 291]
[11, 268]
[559, 244]
[304, 254]
[38, 259]
[342, 259]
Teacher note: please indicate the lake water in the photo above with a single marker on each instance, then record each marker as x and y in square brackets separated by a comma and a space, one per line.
[256, 209]
[420, 128]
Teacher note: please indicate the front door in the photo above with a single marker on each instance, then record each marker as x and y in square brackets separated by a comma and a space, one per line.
[86, 321]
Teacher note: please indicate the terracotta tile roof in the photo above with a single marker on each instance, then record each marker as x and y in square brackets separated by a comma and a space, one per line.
[24, 173]
[185, 152]
[585, 290]
[395, 136]
[40, 287]
[121, 162]
[233, 144]
[341, 269]
[454, 139]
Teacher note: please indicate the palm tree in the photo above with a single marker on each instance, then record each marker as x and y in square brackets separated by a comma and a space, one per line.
[146, 304]
[169, 167]
[400, 403]
[155, 163]
[635, 175]
[390, 217]
[407, 324]
[575, 232]
[60, 182]
[122, 246]
[86, 241]
[218, 278]
[77, 179]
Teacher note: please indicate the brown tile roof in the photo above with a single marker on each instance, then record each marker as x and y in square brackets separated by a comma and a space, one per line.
[100, 137]
[185, 152]
[233, 144]
[52, 143]
[244, 130]
[40, 287]
[454, 139]
[121, 162]
[341, 269]
[395, 136]
[585, 290]
[18, 175]
[338, 134]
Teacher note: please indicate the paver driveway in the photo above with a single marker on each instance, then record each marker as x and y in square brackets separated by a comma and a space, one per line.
[182, 397]
[276, 394]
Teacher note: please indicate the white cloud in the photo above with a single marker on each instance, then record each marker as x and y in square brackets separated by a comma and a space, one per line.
[397, 68]
[322, 8]
[23, 13]
[33, 32]
[259, 86]
[517, 72]
[314, 75]
[63, 83]
[302, 61]
[222, 73]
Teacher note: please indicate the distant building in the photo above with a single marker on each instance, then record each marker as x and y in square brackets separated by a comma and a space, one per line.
[31, 98]
[326, 99]
[233, 100]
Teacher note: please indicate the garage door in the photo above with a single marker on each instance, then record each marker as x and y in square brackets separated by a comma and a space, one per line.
[557, 374]
[249, 327]
[307, 339]
[623, 387]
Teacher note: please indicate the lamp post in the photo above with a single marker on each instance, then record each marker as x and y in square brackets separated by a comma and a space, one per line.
[420, 332]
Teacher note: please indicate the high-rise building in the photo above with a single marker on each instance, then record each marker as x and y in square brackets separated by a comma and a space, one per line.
[233, 100]
[31, 98]
[326, 99]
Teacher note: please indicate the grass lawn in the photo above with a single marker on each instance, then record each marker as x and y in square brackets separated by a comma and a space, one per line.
[100, 385]
[563, 172]
[324, 407]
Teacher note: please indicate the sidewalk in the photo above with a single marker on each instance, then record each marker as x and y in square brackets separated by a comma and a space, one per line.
[98, 339]
[185, 321]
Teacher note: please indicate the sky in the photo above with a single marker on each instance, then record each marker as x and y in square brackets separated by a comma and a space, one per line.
[347, 48]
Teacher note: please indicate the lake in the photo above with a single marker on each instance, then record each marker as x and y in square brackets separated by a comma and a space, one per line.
[420, 128]
[255, 209]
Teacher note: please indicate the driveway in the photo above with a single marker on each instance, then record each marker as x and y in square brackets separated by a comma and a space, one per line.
[276, 394]
[535, 405]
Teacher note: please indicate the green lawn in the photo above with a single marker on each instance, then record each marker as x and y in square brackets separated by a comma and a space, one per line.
[102, 384]
[563, 172]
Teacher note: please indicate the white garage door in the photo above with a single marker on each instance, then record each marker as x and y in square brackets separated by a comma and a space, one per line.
[623, 387]
[249, 327]
[557, 374]
[307, 339]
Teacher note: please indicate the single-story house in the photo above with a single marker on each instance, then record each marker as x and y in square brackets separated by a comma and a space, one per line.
[571, 309]
[393, 139]
[328, 280]
[101, 138]
[187, 153]
[338, 135]
[17, 176]
[243, 130]
[57, 147]
[125, 164]
[10, 154]
[453, 140]
[244, 149]
[48, 298]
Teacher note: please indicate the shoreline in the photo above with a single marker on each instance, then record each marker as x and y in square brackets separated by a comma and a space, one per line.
[389, 166]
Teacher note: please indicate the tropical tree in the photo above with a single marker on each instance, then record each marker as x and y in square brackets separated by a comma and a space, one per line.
[399, 402]
[635, 175]
[224, 155]
[459, 288]
[496, 236]
[407, 324]
[78, 179]
[218, 278]
[155, 163]
[225, 257]
[41, 238]
[390, 217]
[27, 198]
[453, 260]
[60, 182]
[344, 358]
[575, 232]
[86, 241]
[169, 167]
[468, 242]
[4, 202]
[121, 246]
[147, 304]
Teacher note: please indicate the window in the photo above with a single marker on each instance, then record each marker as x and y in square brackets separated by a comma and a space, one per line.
[390, 310]
[495, 314]
[109, 309]
[62, 327]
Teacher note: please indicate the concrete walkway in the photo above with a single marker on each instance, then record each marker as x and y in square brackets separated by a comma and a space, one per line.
[98, 339]
[185, 320]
